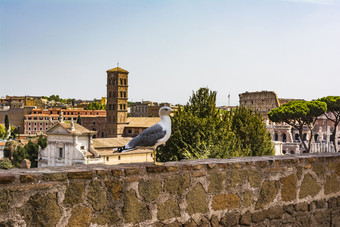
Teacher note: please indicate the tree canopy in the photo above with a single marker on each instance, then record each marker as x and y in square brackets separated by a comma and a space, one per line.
[95, 106]
[333, 106]
[2, 131]
[297, 114]
[200, 130]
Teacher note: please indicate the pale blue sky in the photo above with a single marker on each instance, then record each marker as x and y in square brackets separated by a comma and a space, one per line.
[170, 47]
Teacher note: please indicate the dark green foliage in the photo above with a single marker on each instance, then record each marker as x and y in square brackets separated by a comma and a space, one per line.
[18, 155]
[32, 150]
[55, 98]
[297, 114]
[79, 120]
[6, 122]
[251, 132]
[6, 164]
[333, 106]
[2, 131]
[95, 106]
[42, 141]
[200, 130]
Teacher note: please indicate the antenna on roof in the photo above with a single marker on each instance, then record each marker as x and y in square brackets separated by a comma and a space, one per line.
[117, 64]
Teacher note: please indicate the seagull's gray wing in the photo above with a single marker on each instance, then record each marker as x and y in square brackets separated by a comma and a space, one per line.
[148, 137]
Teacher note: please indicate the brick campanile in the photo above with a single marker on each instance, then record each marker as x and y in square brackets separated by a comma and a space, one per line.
[117, 96]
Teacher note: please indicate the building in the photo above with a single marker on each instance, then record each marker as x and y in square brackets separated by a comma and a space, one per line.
[147, 108]
[68, 144]
[38, 120]
[264, 101]
[105, 146]
[117, 96]
[16, 116]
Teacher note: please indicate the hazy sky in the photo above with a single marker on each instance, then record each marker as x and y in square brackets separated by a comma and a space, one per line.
[170, 47]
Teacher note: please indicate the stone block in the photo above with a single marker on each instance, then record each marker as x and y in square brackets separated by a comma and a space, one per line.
[131, 171]
[96, 196]
[150, 189]
[74, 193]
[169, 209]
[275, 212]
[5, 200]
[319, 169]
[225, 201]
[199, 174]
[134, 211]
[268, 193]
[176, 184]
[155, 169]
[117, 172]
[54, 176]
[115, 187]
[301, 207]
[259, 216]
[246, 219]
[230, 219]
[247, 199]
[331, 185]
[80, 175]
[309, 187]
[27, 178]
[237, 177]
[80, 217]
[7, 179]
[332, 203]
[172, 168]
[108, 217]
[216, 181]
[197, 200]
[254, 178]
[288, 190]
[41, 210]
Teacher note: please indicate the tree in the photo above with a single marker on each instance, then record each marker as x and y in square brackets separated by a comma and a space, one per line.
[42, 141]
[32, 150]
[95, 106]
[251, 133]
[79, 120]
[200, 130]
[6, 122]
[297, 114]
[18, 155]
[2, 131]
[6, 164]
[333, 106]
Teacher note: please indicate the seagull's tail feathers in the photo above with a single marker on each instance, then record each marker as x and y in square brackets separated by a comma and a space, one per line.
[123, 149]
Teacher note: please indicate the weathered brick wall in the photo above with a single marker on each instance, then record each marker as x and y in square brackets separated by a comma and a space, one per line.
[297, 190]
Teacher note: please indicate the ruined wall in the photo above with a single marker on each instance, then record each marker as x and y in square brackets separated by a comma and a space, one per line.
[301, 190]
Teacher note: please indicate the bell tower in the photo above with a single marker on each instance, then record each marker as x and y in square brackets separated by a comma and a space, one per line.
[117, 96]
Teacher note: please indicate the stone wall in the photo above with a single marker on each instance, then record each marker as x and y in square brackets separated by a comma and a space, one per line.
[296, 190]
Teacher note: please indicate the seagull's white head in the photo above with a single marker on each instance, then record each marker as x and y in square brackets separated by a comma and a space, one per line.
[165, 110]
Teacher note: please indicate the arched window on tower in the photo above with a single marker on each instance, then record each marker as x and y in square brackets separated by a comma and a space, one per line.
[110, 81]
[284, 137]
[110, 94]
[276, 137]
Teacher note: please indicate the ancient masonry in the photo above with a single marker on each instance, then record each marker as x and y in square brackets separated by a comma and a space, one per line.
[292, 190]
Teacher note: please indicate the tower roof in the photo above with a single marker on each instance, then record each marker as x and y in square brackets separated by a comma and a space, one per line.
[117, 69]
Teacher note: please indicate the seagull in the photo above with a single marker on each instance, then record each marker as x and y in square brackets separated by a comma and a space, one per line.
[153, 136]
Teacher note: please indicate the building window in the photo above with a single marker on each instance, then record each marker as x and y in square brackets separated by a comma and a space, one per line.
[35, 123]
[103, 134]
[118, 157]
[35, 129]
[29, 123]
[40, 124]
[41, 129]
[82, 147]
[284, 137]
[107, 159]
[276, 137]
[29, 128]
[60, 152]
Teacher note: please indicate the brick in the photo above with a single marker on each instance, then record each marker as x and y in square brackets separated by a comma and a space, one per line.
[27, 178]
[6, 179]
[80, 175]
[155, 169]
[54, 176]
[131, 171]
[172, 168]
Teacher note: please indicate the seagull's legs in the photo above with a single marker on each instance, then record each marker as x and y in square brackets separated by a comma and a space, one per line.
[154, 158]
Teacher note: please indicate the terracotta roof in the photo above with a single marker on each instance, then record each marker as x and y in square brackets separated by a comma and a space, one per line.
[78, 128]
[2, 143]
[99, 143]
[117, 69]
[142, 122]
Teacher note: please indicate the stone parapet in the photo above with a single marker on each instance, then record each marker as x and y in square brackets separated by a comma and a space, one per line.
[301, 190]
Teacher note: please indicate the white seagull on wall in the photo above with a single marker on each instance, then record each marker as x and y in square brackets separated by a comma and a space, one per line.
[153, 136]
